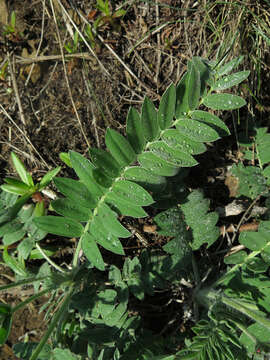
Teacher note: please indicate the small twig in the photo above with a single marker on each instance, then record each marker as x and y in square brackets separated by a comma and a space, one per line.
[40, 42]
[83, 38]
[244, 216]
[158, 49]
[15, 87]
[26, 137]
[22, 60]
[66, 77]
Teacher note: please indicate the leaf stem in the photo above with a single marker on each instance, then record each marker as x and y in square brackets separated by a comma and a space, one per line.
[49, 260]
[53, 324]
[30, 299]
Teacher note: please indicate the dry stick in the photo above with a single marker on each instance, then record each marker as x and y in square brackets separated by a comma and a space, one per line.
[15, 87]
[66, 77]
[26, 137]
[109, 48]
[83, 38]
[40, 43]
[244, 216]
[158, 49]
[94, 120]
[22, 60]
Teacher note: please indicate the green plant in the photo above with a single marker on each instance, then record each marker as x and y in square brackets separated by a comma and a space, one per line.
[10, 30]
[93, 320]
[108, 16]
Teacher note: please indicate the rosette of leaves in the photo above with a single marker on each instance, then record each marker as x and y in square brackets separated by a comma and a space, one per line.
[161, 141]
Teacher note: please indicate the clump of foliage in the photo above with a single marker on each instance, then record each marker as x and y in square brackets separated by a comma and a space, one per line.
[92, 318]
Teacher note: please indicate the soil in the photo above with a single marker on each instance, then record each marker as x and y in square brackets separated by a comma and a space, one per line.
[48, 108]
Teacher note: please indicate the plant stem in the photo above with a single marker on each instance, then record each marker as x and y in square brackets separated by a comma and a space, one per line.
[30, 299]
[49, 260]
[21, 282]
[53, 324]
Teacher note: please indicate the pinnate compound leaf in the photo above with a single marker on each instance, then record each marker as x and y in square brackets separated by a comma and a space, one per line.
[224, 102]
[174, 157]
[105, 162]
[135, 132]
[132, 192]
[155, 164]
[149, 120]
[196, 130]
[212, 120]
[59, 226]
[71, 209]
[119, 147]
[176, 140]
[75, 191]
[166, 108]
[92, 251]
[230, 80]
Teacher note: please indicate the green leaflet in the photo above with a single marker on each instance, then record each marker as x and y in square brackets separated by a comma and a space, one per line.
[19, 166]
[101, 179]
[212, 120]
[75, 191]
[174, 157]
[155, 164]
[230, 80]
[59, 226]
[132, 192]
[227, 68]
[109, 220]
[224, 102]
[175, 139]
[15, 186]
[135, 134]
[104, 236]
[145, 178]
[193, 87]
[5, 322]
[119, 147]
[92, 252]
[124, 207]
[105, 162]
[196, 130]
[204, 71]
[84, 170]
[14, 264]
[47, 178]
[149, 120]
[182, 105]
[167, 108]
[71, 209]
